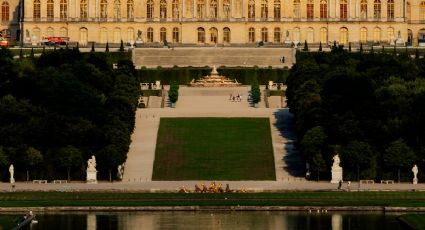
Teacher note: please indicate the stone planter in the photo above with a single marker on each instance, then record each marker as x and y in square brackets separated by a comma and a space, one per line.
[255, 105]
[173, 105]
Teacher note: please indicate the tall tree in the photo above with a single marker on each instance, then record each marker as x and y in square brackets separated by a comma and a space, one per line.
[69, 157]
[32, 158]
[398, 154]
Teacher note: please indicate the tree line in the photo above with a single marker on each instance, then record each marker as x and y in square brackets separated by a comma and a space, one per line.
[368, 108]
[59, 109]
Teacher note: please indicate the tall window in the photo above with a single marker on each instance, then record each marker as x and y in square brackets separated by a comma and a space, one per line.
[264, 9]
[363, 35]
[5, 12]
[63, 32]
[103, 9]
[117, 35]
[421, 11]
[162, 34]
[176, 34]
[377, 9]
[296, 34]
[117, 9]
[276, 9]
[50, 12]
[175, 7]
[343, 9]
[343, 36]
[63, 9]
[390, 9]
[251, 35]
[213, 35]
[297, 11]
[149, 9]
[323, 9]
[163, 9]
[363, 9]
[310, 9]
[276, 38]
[50, 32]
[377, 34]
[36, 13]
[149, 34]
[226, 8]
[83, 35]
[130, 35]
[323, 35]
[201, 35]
[200, 9]
[310, 35]
[226, 35]
[390, 34]
[103, 35]
[264, 34]
[213, 9]
[130, 9]
[251, 9]
[83, 15]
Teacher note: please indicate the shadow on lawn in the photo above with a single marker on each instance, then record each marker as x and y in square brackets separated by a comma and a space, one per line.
[295, 165]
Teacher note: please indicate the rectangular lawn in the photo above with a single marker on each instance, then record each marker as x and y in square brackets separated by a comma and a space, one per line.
[214, 149]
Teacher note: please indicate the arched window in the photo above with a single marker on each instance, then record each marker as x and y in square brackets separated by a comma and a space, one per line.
[276, 9]
[213, 9]
[175, 7]
[149, 9]
[5, 12]
[117, 35]
[377, 9]
[63, 9]
[83, 13]
[251, 9]
[363, 9]
[83, 36]
[213, 35]
[103, 35]
[163, 9]
[117, 9]
[251, 35]
[297, 10]
[149, 34]
[323, 9]
[176, 34]
[50, 32]
[296, 35]
[421, 11]
[201, 35]
[310, 35]
[264, 34]
[50, 10]
[377, 35]
[264, 9]
[226, 8]
[130, 35]
[390, 9]
[277, 35]
[103, 9]
[324, 35]
[343, 12]
[343, 36]
[63, 32]
[226, 35]
[36, 12]
[130, 9]
[310, 9]
[162, 35]
[390, 35]
[36, 35]
[200, 7]
[363, 35]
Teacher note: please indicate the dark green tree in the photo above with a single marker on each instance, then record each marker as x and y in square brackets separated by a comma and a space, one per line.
[255, 91]
[349, 47]
[320, 46]
[121, 46]
[318, 164]
[110, 158]
[107, 47]
[32, 53]
[305, 46]
[361, 48]
[92, 47]
[398, 154]
[358, 154]
[69, 157]
[32, 158]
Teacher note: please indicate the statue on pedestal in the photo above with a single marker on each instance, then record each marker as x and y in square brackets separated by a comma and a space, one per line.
[415, 174]
[336, 170]
[12, 172]
[91, 171]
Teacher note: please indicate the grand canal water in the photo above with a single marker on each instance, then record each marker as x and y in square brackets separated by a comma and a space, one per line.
[212, 220]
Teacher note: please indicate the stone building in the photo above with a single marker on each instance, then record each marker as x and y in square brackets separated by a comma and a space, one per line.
[207, 22]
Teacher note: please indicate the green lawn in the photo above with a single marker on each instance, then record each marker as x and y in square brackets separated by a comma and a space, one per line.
[214, 149]
[49, 199]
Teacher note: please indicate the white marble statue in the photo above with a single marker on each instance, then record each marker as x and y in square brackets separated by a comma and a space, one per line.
[91, 171]
[120, 172]
[12, 172]
[415, 174]
[336, 170]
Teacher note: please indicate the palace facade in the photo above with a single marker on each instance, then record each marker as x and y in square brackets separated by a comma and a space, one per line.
[206, 22]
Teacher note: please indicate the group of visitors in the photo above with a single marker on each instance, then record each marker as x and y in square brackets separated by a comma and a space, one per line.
[235, 98]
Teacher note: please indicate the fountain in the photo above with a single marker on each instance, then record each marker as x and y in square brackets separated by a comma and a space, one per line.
[214, 80]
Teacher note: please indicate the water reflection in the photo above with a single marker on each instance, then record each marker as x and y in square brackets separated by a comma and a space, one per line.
[216, 220]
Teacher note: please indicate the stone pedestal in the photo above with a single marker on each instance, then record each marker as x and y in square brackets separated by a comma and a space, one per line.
[336, 170]
[415, 181]
[91, 177]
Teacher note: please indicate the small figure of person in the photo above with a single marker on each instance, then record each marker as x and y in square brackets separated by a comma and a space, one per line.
[339, 184]
[348, 185]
